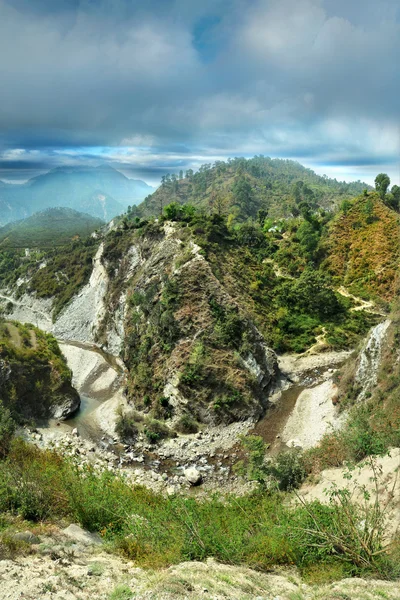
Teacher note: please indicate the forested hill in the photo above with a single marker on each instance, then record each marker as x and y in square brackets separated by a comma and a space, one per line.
[48, 228]
[244, 186]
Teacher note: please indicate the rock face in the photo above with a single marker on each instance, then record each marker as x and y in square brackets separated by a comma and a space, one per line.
[26, 536]
[81, 317]
[28, 309]
[66, 405]
[35, 381]
[369, 361]
[23, 379]
[186, 339]
[156, 300]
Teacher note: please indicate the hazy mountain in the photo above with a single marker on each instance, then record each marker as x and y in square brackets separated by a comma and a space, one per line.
[102, 192]
[51, 227]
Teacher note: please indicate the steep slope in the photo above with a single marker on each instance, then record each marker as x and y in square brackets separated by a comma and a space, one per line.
[35, 382]
[363, 248]
[245, 186]
[188, 347]
[52, 227]
[102, 192]
[195, 307]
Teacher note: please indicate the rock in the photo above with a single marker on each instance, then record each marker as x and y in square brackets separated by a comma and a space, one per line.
[66, 406]
[193, 476]
[26, 536]
[294, 444]
[75, 432]
[80, 535]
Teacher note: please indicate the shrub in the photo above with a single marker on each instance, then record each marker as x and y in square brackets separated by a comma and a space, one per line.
[7, 429]
[125, 426]
[31, 483]
[288, 469]
[186, 424]
[355, 531]
[121, 592]
[155, 431]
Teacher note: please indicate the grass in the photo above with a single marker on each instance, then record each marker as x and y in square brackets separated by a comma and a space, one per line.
[121, 592]
[260, 530]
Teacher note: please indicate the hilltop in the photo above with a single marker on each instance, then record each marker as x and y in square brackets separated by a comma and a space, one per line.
[243, 187]
[51, 227]
[102, 192]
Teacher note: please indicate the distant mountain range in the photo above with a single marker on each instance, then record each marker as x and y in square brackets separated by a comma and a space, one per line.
[51, 227]
[102, 192]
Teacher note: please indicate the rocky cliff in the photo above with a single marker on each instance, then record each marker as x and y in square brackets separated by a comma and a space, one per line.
[188, 347]
[35, 382]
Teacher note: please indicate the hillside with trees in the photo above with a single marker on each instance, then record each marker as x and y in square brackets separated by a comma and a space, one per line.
[242, 187]
[35, 381]
[49, 228]
[209, 315]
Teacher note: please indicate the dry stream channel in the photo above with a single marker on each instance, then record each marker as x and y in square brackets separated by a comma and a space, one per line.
[301, 403]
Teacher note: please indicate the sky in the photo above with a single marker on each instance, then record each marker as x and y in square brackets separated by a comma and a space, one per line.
[155, 86]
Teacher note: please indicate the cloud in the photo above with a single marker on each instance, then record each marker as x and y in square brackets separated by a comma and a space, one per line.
[177, 81]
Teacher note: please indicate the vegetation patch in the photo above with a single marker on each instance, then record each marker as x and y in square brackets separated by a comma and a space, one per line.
[259, 530]
[34, 376]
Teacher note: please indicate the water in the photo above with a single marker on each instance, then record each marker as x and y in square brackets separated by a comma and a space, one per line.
[82, 420]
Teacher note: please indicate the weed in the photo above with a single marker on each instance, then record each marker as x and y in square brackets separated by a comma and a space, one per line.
[121, 592]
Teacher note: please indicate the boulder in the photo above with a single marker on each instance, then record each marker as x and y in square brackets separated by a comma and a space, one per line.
[80, 535]
[66, 405]
[193, 476]
[26, 536]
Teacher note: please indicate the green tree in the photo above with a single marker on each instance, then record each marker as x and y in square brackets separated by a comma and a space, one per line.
[396, 192]
[262, 214]
[243, 196]
[393, 199]
[382, 182]
[345, 206]
[310, 293]
[7, 429]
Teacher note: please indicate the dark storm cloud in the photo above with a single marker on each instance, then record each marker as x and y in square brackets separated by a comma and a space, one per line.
[180, 81]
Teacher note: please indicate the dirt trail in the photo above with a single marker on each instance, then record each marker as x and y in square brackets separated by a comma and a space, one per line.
[278, 271]
[320, 344]
[367, 305]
